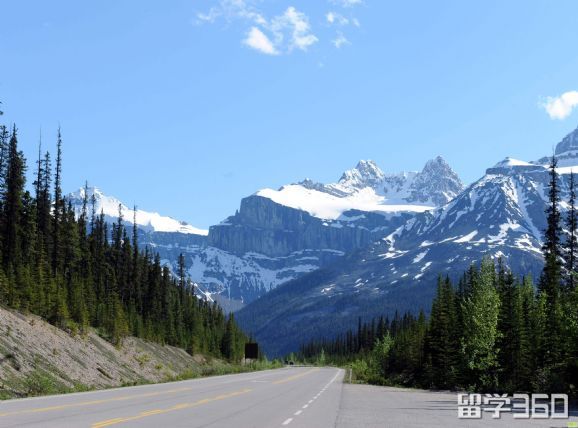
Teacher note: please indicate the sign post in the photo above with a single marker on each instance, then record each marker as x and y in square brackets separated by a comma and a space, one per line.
[251, 351]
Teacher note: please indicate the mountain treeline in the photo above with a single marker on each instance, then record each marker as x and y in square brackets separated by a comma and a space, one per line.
[489, 331]
[77, 271]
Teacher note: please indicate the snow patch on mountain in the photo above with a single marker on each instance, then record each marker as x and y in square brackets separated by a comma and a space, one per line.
[367, 188]
[327, 206]
[212, 266]
[511, 162]
[467, 238]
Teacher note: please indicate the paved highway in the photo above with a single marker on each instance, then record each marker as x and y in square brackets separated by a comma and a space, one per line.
[291, 397]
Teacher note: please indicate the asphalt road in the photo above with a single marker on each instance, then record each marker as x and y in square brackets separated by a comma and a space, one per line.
[290, 397]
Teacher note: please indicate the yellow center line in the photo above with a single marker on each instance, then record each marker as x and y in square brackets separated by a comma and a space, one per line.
[290, 378]
[93, 402]
[181, 406]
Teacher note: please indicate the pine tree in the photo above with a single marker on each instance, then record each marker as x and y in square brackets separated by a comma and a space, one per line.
[571, 241]
[43, 201]
[58, 207]
[135, 272]
[528, 339]
[481, 313]
[508, 341]
[39, 170]
[182, 269]
[12, 213]
[551, 277]
[441, 336]
[4, 143]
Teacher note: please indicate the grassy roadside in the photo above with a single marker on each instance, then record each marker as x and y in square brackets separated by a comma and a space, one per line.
[42, 382]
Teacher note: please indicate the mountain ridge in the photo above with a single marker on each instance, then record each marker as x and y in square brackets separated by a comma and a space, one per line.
[266, 242]
[501, 215]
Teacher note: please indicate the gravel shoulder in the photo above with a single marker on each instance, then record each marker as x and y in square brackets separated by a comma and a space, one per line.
[367, 406]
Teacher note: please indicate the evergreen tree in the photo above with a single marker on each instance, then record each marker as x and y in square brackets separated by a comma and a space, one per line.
[228, 341]
[551, 278]
[43, 200]
[58, 207]
[13, 206]
[182, 268]
[441, 344]
[481, 312]
[528, 339]
[571, 241]
[509, 324]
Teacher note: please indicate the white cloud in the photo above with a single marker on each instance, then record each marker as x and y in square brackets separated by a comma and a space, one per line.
[282, 33]
[257, 40]
[336, 18]
[297, 24]
[232, 10]
[561, 107]
[210, 16]
[340, 41]
[241, 9]
[347, 3]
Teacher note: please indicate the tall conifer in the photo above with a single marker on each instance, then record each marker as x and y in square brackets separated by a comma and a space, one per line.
[571, 241]
[551, 278]
[13, 206]
[58, 207]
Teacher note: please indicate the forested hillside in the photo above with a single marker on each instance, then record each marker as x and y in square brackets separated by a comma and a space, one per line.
[77, 272]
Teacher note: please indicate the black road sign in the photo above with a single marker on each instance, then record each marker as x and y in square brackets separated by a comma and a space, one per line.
[251, 351]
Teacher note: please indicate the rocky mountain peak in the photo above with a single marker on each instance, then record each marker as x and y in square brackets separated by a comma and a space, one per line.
[437, 183]
[566, 151]
[365, 174]
[568, 144]
[437, 165]
[438, 169]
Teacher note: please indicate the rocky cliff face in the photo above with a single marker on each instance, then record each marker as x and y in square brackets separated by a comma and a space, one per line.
[268, 228]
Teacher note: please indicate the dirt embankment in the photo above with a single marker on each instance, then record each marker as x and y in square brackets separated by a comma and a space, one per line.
[38, 358]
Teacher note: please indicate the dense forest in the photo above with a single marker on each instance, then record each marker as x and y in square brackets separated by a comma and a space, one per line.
[77, 271]
[492, 331]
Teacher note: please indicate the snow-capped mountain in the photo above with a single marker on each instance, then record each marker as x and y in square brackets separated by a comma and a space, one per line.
[278, 236]
[304, 226]
[500, 215]
[112, 207]
[367, 188]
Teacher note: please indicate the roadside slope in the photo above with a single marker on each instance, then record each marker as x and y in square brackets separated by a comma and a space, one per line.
[38, 358]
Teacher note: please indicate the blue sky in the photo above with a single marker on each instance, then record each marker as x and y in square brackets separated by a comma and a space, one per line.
[184, 107]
